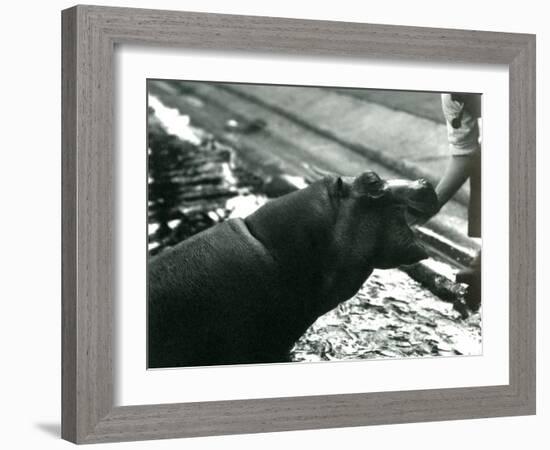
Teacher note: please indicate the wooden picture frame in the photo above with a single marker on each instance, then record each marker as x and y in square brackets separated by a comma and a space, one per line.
[90, 34]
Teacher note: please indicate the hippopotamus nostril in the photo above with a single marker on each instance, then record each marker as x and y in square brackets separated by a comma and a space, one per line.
[418, 195]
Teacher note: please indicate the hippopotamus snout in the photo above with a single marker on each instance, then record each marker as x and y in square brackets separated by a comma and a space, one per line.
[418, 195]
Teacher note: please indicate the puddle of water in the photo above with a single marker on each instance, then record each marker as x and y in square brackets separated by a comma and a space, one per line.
[174, 122]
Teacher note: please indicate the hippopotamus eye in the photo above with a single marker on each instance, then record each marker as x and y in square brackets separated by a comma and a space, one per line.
[370, 184]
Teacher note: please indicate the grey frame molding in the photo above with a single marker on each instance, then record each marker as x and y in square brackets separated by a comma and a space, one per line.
[89, 37]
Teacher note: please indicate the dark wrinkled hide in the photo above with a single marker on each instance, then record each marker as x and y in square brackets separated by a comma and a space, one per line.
[245, 291]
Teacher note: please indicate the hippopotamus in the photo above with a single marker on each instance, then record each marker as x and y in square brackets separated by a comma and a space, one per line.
[245, 290]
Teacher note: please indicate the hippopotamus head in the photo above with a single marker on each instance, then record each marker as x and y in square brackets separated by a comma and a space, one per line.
[370, 222]
[337, 230]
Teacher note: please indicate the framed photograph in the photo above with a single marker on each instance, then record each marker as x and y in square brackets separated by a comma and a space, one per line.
[277, 224]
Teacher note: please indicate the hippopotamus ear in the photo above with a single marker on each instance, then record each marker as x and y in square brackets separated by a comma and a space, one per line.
[339, 186]
[342, 189]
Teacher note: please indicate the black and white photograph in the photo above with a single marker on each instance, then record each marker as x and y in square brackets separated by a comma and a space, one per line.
[307, 224]
[270, 225]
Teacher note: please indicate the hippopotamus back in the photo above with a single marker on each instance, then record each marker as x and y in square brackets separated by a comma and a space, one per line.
[193, 316]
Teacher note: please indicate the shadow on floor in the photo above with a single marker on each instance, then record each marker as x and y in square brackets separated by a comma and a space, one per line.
[53, 429]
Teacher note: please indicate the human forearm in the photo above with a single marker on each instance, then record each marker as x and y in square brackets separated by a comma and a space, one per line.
[456, 173]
